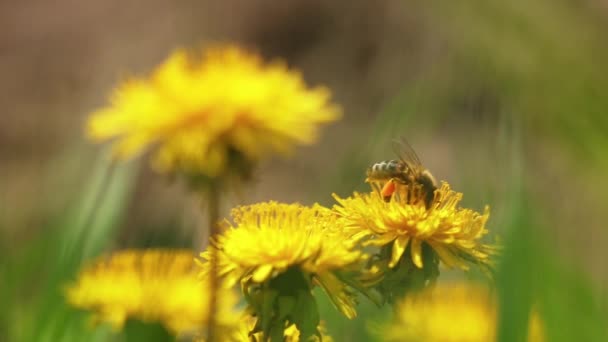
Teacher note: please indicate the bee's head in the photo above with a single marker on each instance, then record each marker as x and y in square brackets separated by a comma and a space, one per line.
[428, 180]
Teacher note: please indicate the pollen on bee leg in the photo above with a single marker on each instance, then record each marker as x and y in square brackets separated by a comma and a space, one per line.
[388, 189]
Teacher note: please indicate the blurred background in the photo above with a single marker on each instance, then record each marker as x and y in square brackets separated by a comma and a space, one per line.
[506, 100]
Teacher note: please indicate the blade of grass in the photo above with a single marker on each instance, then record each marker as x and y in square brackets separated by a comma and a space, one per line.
[82, 233]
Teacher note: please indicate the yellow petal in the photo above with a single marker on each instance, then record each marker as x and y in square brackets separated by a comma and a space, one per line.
[381, 240]
[262, 273]
[417, 252]
[398, 248]
[448, 257]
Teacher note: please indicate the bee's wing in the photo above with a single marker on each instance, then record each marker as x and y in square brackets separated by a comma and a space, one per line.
[406, 153]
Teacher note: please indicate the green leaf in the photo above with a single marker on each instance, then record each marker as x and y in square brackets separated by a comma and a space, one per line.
[135, 330]
[266, 316]
[517, 279]
[306, 315]
[277, 333]
[285, 306]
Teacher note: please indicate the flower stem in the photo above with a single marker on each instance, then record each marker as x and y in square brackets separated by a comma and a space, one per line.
[213, 199]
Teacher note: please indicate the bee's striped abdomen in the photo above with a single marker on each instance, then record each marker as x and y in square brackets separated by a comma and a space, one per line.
[385, 170]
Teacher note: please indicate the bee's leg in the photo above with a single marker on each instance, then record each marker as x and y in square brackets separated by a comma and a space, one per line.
[375, 186]
[388, 189]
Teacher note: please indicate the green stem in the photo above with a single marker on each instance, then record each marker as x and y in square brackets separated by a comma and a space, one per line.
[213, 198]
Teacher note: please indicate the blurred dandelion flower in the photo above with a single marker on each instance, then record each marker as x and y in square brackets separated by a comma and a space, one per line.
[151, 286]
[453, 233]
[205, 115]
[450, 312]
[278, 253]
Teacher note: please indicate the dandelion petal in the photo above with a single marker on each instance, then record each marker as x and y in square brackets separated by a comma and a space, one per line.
[398, 248]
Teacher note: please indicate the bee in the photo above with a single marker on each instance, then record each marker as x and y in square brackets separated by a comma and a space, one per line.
[408, 169]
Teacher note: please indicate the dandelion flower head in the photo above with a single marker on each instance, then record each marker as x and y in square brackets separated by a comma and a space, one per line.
[453, 233]
[451, 313]
[204, 114]
[268, 239]
[154, 285]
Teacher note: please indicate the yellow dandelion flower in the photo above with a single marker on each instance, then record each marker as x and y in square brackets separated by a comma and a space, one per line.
[149, 285]
[204, 115]
[448, 313]
[279, 253]
[456, 312]
[404, 221]
[268, 239]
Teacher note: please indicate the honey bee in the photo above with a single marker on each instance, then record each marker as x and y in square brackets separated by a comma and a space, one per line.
[408, 169]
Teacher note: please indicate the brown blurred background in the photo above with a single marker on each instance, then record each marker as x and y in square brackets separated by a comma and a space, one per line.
[59, 61]
[460, 81]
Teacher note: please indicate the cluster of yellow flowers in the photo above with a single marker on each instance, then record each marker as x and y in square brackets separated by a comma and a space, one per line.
[222, 115]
